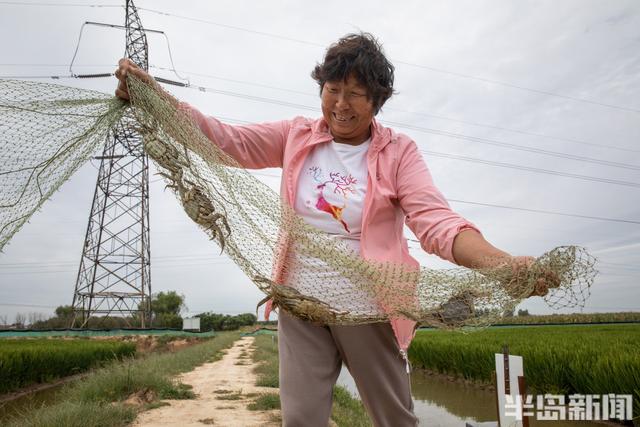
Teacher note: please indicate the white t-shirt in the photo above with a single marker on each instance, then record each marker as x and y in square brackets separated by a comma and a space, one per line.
[330, 196]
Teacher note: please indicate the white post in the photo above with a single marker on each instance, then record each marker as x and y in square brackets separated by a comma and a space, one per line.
[510, 409]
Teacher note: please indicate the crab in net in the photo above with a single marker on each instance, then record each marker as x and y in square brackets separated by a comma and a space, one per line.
[201, 210]
[306, 307]
[192, 196]
[457, 311]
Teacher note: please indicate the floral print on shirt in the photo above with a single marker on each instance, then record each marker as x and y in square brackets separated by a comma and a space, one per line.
[340, 184]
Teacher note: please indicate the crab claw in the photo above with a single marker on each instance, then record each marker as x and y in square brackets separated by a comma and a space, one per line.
[217, 233]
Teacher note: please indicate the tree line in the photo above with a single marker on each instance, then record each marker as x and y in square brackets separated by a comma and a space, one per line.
[166, 312]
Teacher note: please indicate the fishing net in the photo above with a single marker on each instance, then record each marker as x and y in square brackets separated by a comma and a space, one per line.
[48, 131]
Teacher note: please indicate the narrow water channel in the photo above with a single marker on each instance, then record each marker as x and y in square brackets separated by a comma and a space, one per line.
[439, 402]
[23, 405]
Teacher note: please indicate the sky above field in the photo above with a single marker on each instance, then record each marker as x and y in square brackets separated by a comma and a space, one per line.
[530, 105]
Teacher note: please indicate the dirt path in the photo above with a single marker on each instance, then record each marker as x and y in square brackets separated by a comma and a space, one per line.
[221, 390]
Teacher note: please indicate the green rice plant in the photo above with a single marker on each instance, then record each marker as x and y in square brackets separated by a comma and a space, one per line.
[594, 359]
[27, 361]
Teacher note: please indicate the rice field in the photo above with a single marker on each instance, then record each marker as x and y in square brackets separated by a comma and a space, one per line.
[564, 319]
[24, 362]
[594, 359]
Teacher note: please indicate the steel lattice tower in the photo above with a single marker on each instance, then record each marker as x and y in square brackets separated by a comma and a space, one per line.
[114, 275]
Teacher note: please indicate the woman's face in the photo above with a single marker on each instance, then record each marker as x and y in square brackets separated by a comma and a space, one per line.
[347, 110]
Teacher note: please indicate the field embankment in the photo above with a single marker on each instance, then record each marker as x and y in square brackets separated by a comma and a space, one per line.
[225, 393]
[573, 318]
[113, 394]
[241, 389]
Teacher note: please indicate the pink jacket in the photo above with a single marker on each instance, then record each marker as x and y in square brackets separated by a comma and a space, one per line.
[399, 188]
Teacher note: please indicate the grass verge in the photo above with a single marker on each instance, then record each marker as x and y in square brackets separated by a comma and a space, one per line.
[265, 402]
[98, 400]
[347, 411]
[266, 356]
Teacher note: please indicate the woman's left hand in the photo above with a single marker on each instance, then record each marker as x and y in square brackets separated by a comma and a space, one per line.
[126, 67]
[547, 280]
[471, 250]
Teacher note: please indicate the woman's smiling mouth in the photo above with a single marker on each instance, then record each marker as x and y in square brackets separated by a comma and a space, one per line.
[342, 118]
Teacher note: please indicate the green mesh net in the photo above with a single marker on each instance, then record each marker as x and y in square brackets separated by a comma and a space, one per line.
[48, 131]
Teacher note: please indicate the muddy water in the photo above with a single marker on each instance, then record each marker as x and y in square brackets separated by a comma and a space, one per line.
[444, 403]
[23, 405]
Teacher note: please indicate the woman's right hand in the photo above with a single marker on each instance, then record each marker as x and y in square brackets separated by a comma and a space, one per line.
[126, 66]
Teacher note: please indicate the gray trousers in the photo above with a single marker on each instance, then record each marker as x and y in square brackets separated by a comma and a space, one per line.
[311, 357]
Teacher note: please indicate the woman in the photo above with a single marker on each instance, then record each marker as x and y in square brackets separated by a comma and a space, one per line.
[358, 181]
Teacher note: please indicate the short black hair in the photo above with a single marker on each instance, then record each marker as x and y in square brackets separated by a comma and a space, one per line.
[361, 55]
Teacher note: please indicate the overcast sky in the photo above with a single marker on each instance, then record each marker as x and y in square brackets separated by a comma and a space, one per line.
[561, 76]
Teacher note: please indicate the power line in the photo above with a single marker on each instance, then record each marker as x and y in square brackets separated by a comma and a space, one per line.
[164, 259]
[17, 3]
[433, 153]
[617, 264]
[55, 65]
[520, 87]
[433, 131]
[8, 76]
[417, 128]
[540, 211]
[532, 169]
[238, 95]
[519, 131]
[411, 64]
[15, 304]
[232, 27]
[58, 76]
[121, 27]
[155, 267]
[226, 79]
[420, 113]
[497, 143]
[523, 132]
[619, 270]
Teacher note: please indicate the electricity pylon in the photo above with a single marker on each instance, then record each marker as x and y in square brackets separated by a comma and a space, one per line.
[114, 276]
